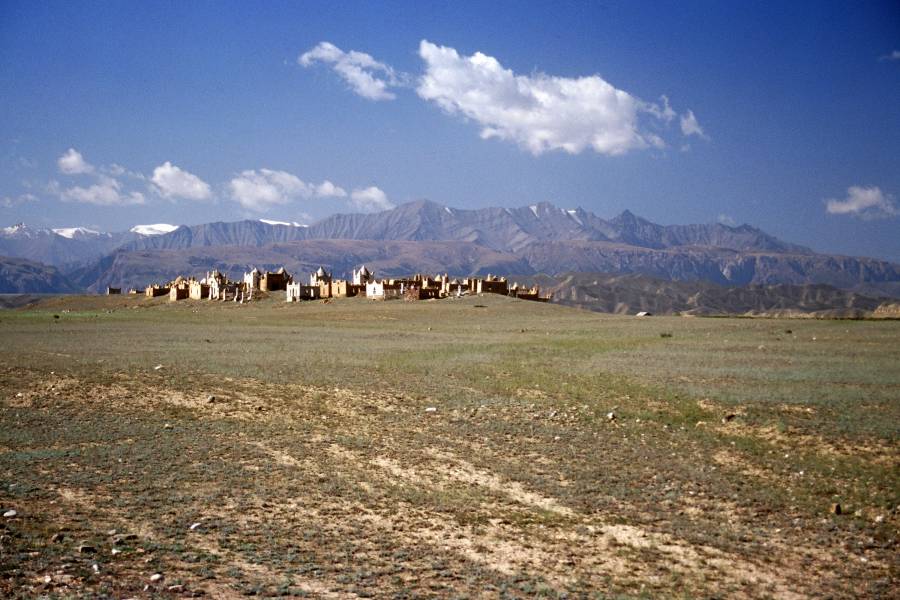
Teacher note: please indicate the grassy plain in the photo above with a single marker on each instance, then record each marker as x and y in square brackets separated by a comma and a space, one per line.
[458, 448]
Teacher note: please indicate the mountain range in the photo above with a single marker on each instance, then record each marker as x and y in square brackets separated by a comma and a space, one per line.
[426, 236]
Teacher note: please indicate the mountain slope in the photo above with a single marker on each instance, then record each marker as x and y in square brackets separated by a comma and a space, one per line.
[21, 276]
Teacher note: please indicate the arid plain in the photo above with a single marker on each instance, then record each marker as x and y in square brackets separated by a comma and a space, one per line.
[474, 447]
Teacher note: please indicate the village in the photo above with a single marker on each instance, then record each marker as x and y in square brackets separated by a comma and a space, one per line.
[322, 285]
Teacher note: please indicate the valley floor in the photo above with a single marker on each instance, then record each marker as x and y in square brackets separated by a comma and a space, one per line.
[480, 447]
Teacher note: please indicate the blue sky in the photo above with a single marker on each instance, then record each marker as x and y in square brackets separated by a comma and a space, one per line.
[116, 113]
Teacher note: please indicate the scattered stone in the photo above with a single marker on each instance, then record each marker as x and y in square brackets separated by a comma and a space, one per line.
[86, 549]
[211, 399]
[167, 426]
[176, 588]
[195, 526]
[10, 514]
[57, 538]
[728, 417]
[20, 395]
[610, 416]
[879, 519]
[96, 568]
[112, 532]
[556, 438]
[157, 367]
[156, 577]
[431, 409]
[48, 579]
[836, 509]
[115, 551]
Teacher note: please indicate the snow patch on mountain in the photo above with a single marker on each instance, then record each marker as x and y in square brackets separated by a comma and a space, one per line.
[285, 223]
[73, 232]
[154, 229]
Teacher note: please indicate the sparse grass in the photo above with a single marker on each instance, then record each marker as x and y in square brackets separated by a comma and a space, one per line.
[317, 470]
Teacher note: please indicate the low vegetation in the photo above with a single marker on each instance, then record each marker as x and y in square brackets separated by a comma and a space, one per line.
[463, 448]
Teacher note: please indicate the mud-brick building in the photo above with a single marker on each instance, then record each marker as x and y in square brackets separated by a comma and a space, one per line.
[197, 290]
[489, 285]
[273, 282]
[295, 292]
[178, 293]
[384, 290]
[251, 279]
[362, 276]
[156, 290]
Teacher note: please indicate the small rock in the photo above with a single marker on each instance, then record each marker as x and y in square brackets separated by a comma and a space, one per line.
[211, 399]
[556, 438]
[167, 426]
[610, 416]
[10, 514]
[157, 367]
[48, 579]
[836, 509]
[431, 409]
[96, 568]
[728, 417]
[20, 395]
[115, 551]
[176, 588]
[57, 538]
[86, 549]
[879, 519]
[156, 577]
[194, 526]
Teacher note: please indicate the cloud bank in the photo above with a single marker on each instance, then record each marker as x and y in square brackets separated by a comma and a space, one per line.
[864, 203]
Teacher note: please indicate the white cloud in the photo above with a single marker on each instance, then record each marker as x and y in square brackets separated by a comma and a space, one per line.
[865, 203]
[106, 192]
[895, 55]
[259, 190]
[365, 75]
[690, 126]
[262, 189]
[726, 220]
[73, 163]
[12, 202]
[326, 189]
[173, 182]
[540, 112]
[370, 199]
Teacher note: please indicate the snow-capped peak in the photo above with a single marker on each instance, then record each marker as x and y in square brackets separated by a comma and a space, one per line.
[285, 223]
[18, 228]
[73, 232]
[154, 229]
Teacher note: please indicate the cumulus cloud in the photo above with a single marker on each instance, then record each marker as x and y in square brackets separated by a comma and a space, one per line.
[106, 192]
[259, 190]
[370, 199]
[895, 55]
[326, 189]
[864, 203]
[539, 112]
[262, 189]
[690, 125]
[73, 163]
[174, 182]
[365, 75]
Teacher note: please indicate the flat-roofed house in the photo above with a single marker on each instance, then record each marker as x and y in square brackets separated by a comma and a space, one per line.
[295, 292]
[274, 281]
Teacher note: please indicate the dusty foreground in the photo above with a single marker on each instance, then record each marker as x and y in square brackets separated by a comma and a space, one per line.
[482, 447]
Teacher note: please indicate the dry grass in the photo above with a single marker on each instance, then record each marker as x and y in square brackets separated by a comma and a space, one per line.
[317, 471]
